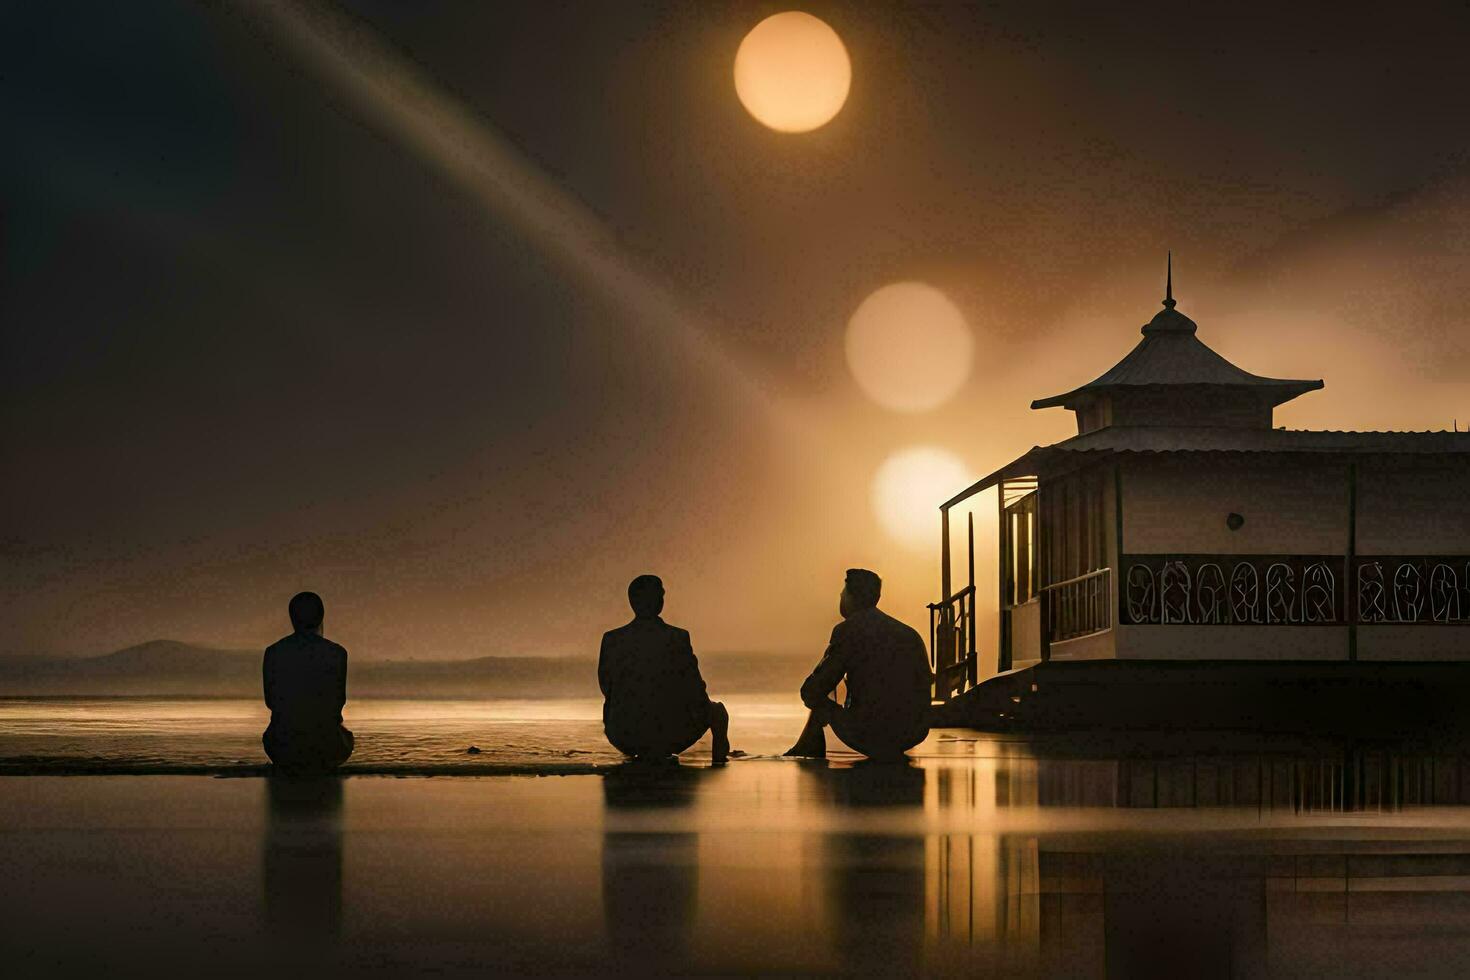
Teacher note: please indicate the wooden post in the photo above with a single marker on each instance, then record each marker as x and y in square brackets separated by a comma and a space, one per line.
[944, 583]
[1003, 641]
[1116, 608]
[1349, 572]
[970, 655]
[1044, 549]
[971, 539]
[944, 642]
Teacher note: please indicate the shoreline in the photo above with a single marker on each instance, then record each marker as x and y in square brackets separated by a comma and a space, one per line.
[58, 767]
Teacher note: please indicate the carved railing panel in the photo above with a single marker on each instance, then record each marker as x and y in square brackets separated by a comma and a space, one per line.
[1139, 595]
[1219, 590]
[1305, 590]
[1319, 594]
[1413, 590]
[1245, 594]
[1281, 599]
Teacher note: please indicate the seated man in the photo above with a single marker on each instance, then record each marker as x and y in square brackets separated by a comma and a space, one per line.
[888, 680]
[656, 704]
[305, 678]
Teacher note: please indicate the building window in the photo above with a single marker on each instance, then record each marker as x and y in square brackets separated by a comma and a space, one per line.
[1019, 560]
[1074, 525]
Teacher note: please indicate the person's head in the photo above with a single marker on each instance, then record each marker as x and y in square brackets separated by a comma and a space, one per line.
[859, 592]
[306, 612]
[646, 595]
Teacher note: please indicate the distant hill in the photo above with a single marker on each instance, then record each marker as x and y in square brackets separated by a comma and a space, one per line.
[156, 667]
[172, 668]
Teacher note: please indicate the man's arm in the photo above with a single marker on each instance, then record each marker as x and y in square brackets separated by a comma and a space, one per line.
[604, 670]
[268, 681]
[828, 673]
[342, 679]
[923, 676]
[694, 679]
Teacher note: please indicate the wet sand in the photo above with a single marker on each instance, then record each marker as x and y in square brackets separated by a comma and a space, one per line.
[984, 855]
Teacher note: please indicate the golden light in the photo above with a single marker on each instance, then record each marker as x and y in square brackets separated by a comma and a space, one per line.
[908, 489]
[909, 348]
[792, 72]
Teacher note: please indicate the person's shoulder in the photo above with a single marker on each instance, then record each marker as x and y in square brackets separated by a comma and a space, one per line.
[899, 627]
[309, 644]
[318, 645]
[284, 643]
[617, 632]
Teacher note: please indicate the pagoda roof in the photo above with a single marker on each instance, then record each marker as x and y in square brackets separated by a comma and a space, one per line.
[1170, 355]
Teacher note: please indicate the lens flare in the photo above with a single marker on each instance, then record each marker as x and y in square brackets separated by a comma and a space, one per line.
[792, 72]
[909, 347]
[908, 489]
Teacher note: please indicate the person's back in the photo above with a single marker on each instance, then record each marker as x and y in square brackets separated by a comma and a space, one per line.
[656, 703]
[886, 667]
[888, 677]
[651, 681]
[304, 676]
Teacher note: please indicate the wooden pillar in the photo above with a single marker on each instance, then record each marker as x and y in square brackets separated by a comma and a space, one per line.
[1043, 548]
[973, 664]
[1002, 639]
[1118, 580]
[944, 583]
[971, 540]
[1349, 572]
[944, 630]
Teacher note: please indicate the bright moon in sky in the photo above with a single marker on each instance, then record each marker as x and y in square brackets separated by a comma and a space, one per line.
[792, 72]
[909, 348]
[908, 489]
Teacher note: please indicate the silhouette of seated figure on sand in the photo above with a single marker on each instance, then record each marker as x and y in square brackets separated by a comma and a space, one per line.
[886, 667]
[305, 677]
[656, 704]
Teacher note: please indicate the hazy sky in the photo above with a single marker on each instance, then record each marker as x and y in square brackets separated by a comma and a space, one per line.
[256, 337]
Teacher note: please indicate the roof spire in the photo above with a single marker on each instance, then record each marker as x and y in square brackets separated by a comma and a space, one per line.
[1169, 282]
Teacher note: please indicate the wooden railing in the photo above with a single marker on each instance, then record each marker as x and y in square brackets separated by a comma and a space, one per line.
[952, 654]
[1079, 606]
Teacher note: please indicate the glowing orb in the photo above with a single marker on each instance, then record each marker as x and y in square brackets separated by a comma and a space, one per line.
[908, 489]
[792, 72]
[909, 347]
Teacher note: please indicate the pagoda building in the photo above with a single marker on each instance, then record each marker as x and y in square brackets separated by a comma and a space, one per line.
[1180, 533]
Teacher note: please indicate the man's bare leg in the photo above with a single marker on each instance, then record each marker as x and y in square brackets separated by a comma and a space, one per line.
[812, 743]
[719, 730]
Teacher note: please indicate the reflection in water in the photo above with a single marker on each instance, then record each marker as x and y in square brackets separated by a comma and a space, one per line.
[1208, 894]
[875, 881]
[1210, 866]
[1017, 860]
[650, 879]
[302, 865]
[1355, 778]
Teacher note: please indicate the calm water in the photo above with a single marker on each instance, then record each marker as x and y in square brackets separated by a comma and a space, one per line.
[987, 855]
[142, 733]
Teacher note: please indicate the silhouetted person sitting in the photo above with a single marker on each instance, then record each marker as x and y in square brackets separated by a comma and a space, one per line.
[656, 703]
[888, 681]
[305, 678]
